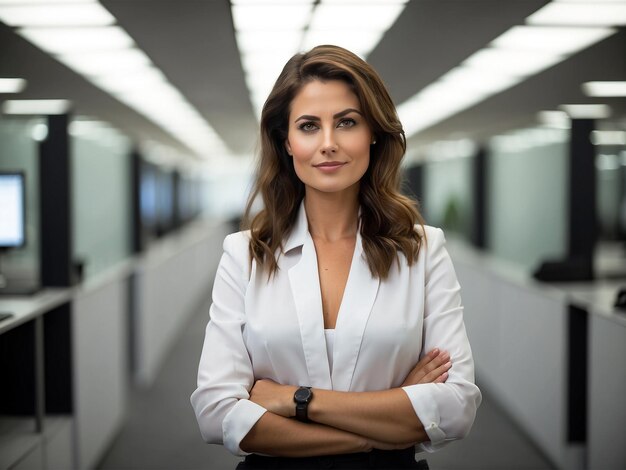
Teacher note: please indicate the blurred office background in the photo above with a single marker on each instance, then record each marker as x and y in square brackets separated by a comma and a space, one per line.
[133, 125]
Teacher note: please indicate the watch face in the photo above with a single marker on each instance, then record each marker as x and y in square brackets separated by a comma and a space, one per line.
[302, 395]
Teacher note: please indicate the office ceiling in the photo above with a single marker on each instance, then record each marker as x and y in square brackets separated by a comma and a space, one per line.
[193, 43]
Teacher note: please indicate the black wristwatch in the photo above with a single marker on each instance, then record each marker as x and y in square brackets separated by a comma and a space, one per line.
[302, 397]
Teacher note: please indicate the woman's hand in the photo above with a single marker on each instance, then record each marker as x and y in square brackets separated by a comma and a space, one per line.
[274, 397]
[432, 368]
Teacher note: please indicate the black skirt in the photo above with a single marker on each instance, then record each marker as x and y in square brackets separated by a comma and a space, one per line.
[376, 459]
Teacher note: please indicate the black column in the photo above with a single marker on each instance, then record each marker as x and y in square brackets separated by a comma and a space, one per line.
[582, 228]
[577, 377]
[480, 198]
[57, 358]
[55, 206]
[137, 230]
[581, 210]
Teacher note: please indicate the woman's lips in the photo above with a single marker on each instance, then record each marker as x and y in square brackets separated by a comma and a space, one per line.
[328, 167]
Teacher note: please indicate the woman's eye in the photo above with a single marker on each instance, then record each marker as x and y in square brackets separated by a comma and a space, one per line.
[346, 123]
[307, 126]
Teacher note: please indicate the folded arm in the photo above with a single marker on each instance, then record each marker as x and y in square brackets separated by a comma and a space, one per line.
[276, 435]
[386, 417]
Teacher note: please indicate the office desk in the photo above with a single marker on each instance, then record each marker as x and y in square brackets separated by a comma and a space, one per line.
[526, 336]
[76, 349]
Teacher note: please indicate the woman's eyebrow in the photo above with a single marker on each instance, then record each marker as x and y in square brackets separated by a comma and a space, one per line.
[335, 116]
[347, 111]
[308, 118]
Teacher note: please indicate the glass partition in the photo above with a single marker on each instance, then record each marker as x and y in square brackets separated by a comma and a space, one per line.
[611, 187]
[447, 201]
[527, 178]
[101, 199]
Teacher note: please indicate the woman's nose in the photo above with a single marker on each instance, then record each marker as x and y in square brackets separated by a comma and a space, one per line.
[329, 146]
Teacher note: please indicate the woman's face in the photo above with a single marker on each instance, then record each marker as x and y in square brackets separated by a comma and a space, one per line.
[328, 137]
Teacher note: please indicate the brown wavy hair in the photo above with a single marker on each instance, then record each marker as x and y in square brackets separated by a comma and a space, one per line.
[388, 218]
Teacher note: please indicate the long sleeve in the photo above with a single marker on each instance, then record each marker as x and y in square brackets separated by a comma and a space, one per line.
[221, 402]
[446, 410]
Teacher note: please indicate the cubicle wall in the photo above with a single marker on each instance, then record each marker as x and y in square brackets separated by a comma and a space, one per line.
[171, 280]
[518, 333]
[551, 356]
[74, 348]
[607, 389]
[99, 337]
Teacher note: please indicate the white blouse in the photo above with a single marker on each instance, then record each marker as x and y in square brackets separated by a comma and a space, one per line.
[274, 329]
[330, 344]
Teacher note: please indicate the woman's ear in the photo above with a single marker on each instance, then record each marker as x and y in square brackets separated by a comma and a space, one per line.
[288, 147]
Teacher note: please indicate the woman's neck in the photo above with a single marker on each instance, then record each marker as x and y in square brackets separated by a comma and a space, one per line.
[332, 216]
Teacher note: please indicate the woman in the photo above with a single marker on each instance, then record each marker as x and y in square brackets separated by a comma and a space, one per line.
[337, 286]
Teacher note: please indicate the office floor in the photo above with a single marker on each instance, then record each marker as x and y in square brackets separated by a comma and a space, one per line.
[161, 430]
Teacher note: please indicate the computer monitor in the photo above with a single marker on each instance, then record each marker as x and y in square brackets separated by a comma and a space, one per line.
[12, 210]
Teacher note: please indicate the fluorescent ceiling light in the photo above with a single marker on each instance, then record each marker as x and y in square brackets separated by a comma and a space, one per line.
[43, 2]
[258, 100]
[264, 41]
[12, 85]
[165, 94]
[261, 83]
[363, 2]
[445, 93]
[434, 104]
[372, 16]
[521, 63]
[119, 82]
[79, 14]
[608, 137]
[65, 40]
[268, 16]
[102, 62]
[604, 89]
[471, 79]
[580, 14]
[587, 111]
[107, 57]
[273, 2]
[359, 42]
[263, 61]
[555, 119]
[85, 127]
[560, 40]
[588, 1]
[36, 106]
[259, 91]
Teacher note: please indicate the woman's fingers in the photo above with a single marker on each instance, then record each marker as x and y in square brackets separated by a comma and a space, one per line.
[436, 373]
[442, 378]
[428, 372]
[429, 368]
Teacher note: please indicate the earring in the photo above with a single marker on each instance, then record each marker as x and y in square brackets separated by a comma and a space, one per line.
[373, 142]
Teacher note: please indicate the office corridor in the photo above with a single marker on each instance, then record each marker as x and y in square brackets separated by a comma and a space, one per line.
[161, 430]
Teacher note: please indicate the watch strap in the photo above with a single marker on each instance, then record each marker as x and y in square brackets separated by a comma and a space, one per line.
[302, 398]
